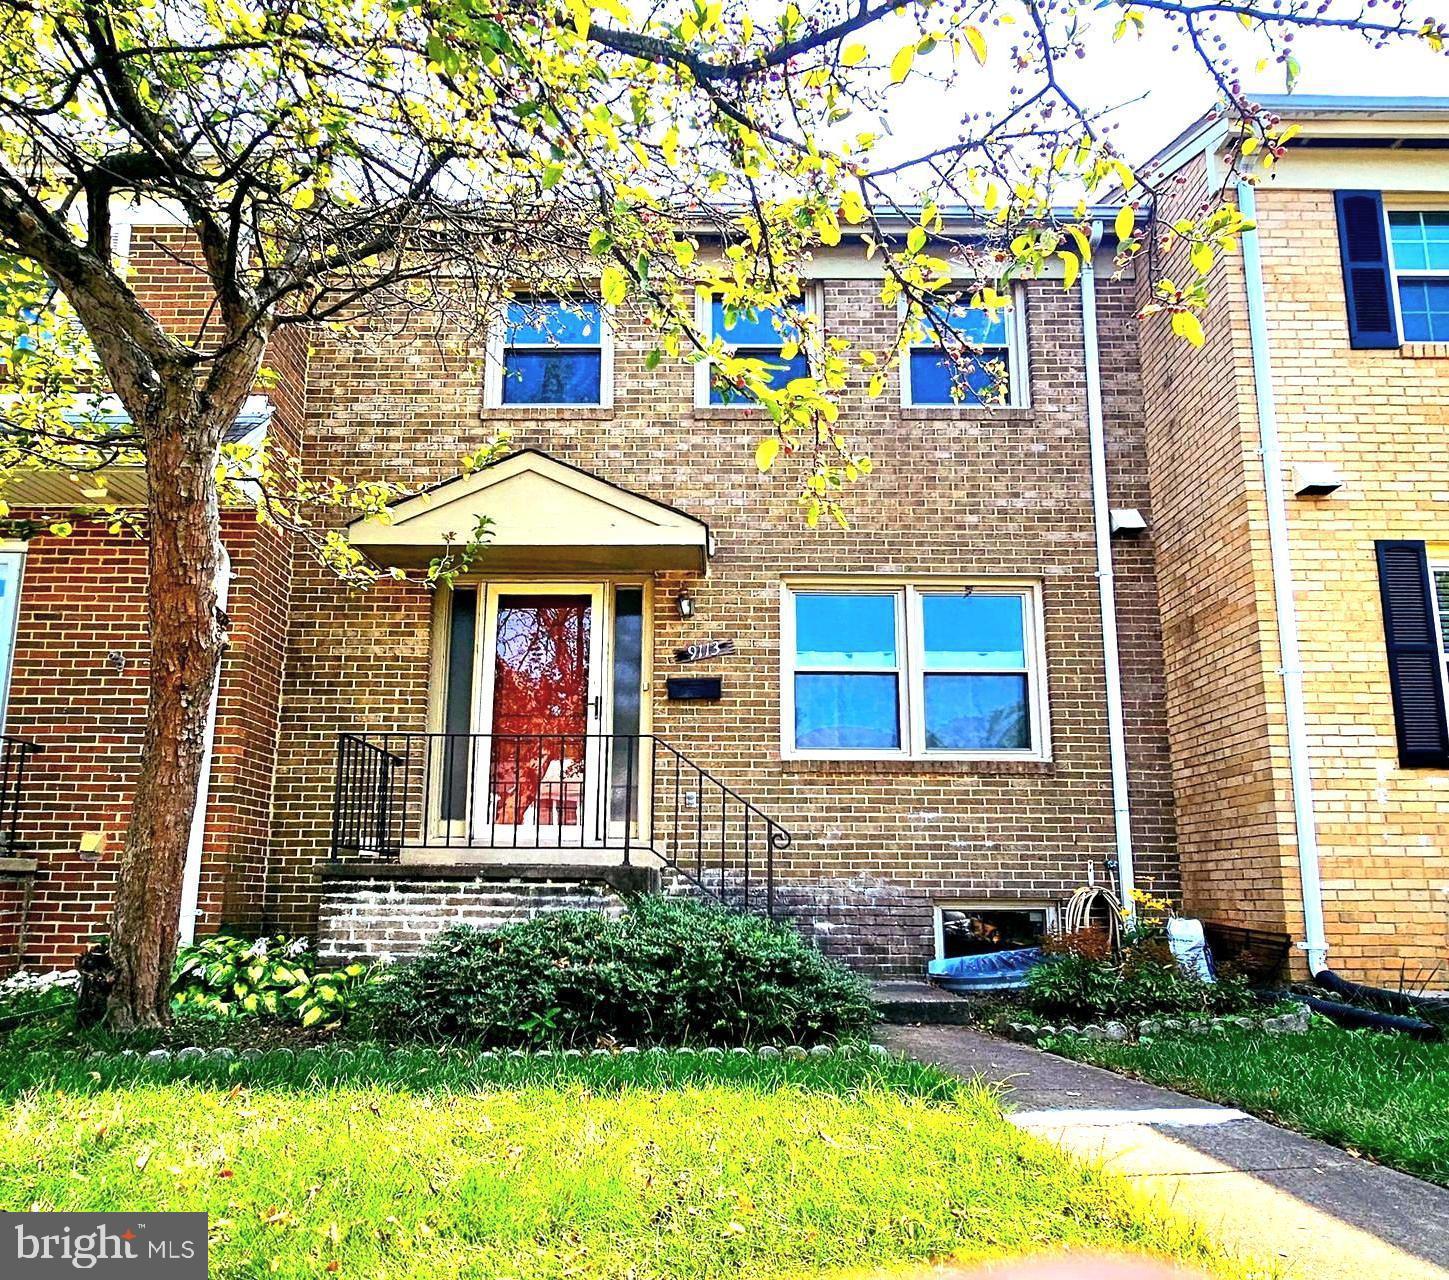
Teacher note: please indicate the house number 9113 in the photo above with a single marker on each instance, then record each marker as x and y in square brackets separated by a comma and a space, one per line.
[704, 649]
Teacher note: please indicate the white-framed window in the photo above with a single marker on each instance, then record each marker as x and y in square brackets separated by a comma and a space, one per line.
[914, 670]
[981, 928]
[12, 572]
[771, 336]
[1419, 251]
[551, 352]
[1439, 576]
[990, 368]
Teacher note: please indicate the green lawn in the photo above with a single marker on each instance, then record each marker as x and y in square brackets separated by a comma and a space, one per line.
[1383, 1096]
[411, 1164]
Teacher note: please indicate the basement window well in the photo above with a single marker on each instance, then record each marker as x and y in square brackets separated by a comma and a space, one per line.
[976, 929]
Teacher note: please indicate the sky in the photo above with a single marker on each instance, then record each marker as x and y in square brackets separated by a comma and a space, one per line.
[1159, 91]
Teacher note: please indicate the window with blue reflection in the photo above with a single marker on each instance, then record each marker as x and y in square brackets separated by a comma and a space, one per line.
[1424, 309]
[1420, 240]
[847, 631]
[973, 632]
[847, 682]
[966, 639]
[977, 713]
[847, 712]
[757, 335]
[553, 353]
[943, 375]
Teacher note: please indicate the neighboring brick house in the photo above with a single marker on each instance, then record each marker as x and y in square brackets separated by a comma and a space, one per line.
[927, 727]
[1353, 381]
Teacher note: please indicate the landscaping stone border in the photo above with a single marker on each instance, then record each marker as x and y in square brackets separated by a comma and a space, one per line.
[339, 1053]
[1282, 1022]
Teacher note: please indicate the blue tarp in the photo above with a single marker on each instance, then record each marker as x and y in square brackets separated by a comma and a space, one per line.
[990, 972]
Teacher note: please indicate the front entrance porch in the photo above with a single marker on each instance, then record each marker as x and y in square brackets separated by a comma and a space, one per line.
[539, 750]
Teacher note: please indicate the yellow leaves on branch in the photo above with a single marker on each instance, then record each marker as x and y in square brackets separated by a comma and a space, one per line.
[766, 452]
[977, 44]
[613, 285]
[1125, 223]
[902, 63]
[1188, 327]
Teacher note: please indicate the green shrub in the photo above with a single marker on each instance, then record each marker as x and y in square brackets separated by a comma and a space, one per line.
[225, 976]
[665, 972]
[1143, 980]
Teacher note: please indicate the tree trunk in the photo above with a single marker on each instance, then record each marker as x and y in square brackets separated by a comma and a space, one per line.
[187, 635]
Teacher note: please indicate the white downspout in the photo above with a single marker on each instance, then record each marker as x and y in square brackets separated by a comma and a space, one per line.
[1106, 581]
[191, 873]
[1300, 771]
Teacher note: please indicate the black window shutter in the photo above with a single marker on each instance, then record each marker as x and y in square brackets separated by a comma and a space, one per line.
[1366, 277]
[1416, 664]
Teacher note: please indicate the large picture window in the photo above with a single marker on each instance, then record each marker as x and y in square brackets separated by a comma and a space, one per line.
[914, 670]
[551, 352]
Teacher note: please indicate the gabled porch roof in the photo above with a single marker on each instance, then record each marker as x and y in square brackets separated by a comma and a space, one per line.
[546, 515]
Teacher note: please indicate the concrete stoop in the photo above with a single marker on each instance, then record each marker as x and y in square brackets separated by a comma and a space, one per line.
[902, 1004]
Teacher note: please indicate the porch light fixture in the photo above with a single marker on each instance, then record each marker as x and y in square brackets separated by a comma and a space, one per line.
[685, 604]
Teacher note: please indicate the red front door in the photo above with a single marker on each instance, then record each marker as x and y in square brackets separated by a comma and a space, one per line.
[543, 706]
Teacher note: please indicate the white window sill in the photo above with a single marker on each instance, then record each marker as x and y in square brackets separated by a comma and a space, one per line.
[549, 412]
[1006, 412]
[856, 765]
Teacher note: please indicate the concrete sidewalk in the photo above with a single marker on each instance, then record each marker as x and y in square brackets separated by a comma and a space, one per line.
[1268, 1193]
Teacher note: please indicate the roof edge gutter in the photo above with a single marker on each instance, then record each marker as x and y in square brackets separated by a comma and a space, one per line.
[1300, 770]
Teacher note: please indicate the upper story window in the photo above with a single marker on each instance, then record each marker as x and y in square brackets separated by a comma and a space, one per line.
[918, 671]
[989, 364]
[771, 335]
[1419, 241]
[551, 352]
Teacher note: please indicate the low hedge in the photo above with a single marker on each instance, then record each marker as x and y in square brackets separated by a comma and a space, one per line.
[664, 972]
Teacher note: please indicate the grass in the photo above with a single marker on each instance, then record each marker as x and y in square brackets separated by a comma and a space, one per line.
[408, 1164]
[1381, 1095]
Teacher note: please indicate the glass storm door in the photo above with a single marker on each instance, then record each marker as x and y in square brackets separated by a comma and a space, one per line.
[539, 771]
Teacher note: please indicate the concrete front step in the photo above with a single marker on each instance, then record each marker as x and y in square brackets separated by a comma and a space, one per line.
[910, 1003]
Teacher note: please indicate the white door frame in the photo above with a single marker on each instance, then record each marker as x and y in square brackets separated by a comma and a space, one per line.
[484, 830]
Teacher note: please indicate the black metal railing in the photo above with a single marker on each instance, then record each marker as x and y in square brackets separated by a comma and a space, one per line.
[15, 754]
[632, 795]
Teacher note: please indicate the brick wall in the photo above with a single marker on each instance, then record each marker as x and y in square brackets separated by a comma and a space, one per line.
[391, 919]
[962, 492]
[1223, 698]
[1382, 418]
[78, 689]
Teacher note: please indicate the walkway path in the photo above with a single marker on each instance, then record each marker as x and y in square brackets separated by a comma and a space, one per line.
[1324, 1214]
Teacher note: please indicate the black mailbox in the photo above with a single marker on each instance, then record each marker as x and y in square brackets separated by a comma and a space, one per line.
[694, 688]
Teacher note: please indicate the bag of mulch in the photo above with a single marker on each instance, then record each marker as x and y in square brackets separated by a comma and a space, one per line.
[1189, 948]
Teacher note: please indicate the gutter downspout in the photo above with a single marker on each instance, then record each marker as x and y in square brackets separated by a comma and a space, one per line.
[1300, 771]
[1106, 581]
[191, 873]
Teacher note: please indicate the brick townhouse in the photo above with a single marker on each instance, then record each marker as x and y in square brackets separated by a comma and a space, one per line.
[1070, 634]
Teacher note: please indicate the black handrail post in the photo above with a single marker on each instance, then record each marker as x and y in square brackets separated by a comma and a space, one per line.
[337, 798]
